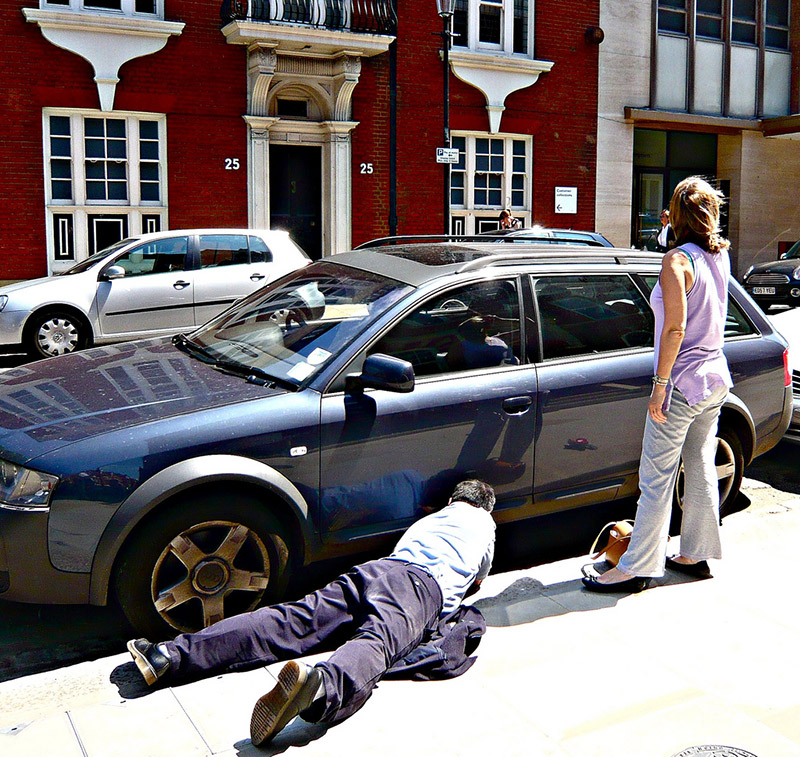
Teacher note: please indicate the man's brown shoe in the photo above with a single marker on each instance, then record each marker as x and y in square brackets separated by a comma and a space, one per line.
[295, 691]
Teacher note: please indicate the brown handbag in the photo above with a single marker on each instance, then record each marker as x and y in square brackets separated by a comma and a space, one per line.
[618, 539]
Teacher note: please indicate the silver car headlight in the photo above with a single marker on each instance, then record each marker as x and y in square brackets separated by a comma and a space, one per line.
[23, 488]
[795, 273]
[3, 300]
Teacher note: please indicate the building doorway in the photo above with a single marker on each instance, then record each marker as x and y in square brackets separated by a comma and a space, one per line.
[661, 160]
[295, 191]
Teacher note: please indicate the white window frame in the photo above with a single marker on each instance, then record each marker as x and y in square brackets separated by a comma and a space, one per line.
[471, 218]
[134, 208]
[506, 45]
[126, 8]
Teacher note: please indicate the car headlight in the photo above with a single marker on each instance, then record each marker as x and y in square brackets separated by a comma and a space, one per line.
[3, 300]
[748, 272]
[796, 273]
[24, 488]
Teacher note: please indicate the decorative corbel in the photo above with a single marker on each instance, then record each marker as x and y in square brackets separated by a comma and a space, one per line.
[348, 71]
[262, 59]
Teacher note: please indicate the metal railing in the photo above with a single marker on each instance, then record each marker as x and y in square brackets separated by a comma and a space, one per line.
[361, 16]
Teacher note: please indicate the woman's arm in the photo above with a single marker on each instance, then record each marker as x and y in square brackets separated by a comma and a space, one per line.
[676, 279]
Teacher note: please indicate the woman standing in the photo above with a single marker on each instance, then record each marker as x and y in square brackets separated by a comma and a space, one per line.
[690, 384]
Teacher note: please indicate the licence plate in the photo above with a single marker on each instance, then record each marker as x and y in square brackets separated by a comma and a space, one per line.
[763, 290]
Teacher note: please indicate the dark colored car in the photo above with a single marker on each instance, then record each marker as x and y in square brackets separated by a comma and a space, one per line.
[544, 235]
[320, 416]
[776, 282]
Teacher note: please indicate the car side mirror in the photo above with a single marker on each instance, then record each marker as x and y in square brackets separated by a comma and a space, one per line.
[381, 372]
[113, 272]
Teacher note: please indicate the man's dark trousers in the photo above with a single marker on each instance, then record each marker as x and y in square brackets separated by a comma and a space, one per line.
[381, 610]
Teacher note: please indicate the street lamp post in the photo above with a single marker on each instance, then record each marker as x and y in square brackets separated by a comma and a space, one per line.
[446, 9]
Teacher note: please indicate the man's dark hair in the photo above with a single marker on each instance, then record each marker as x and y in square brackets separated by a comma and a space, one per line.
[475, 493]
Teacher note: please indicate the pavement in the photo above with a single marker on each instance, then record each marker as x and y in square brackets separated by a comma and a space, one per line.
[684, 665]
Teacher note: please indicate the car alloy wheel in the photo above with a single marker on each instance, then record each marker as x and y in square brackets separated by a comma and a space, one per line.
[204, 565]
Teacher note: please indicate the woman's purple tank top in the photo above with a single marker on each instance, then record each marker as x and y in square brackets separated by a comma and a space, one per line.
[701, 365]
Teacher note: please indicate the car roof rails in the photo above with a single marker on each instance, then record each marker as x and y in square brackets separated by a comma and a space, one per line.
[411, 238]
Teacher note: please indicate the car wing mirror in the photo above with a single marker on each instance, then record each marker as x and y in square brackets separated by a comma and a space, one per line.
[382, 372]
[113, 272]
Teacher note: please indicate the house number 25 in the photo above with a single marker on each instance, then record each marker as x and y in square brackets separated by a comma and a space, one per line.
[367, 168]
[231, 164]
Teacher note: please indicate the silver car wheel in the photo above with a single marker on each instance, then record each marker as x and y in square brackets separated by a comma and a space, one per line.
[57, 336]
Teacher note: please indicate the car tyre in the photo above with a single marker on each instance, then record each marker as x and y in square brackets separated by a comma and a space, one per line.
[207, 557]
[54, 333]
[730, 469]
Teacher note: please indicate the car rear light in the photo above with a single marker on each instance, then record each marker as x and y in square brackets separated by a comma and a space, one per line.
[787, 376]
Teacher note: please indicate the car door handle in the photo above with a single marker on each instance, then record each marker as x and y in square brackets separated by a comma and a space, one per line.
[516, 405]
[257, 276]
[181, 284]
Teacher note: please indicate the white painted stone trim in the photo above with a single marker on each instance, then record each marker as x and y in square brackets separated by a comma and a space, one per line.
[107, 42]
[496, 76]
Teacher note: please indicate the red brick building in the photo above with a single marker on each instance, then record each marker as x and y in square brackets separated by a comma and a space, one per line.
[125, 116]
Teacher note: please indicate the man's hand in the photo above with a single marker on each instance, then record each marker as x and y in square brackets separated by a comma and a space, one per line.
[655, 408]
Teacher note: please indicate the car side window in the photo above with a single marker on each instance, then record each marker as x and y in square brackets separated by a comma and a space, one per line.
[582, 315]
[472, 327]
[158, 256]
[259, 252]
[223, 249]
[736, 322]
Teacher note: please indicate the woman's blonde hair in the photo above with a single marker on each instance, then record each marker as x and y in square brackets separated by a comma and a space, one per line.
[694, 214]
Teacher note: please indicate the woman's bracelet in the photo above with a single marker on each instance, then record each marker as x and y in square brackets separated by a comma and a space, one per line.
[658, 381]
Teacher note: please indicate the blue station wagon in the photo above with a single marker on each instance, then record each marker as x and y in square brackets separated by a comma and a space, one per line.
[188, 478]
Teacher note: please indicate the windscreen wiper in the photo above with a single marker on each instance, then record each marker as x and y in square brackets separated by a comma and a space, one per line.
[252, 374]
[184, 344]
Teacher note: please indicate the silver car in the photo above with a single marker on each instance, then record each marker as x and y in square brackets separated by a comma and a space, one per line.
[148, 285]
[787, 322]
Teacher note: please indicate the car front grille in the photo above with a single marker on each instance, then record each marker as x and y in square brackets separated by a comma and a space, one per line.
[796, 383]
[767, 279]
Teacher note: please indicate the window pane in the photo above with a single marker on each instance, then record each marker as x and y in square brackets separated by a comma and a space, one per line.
[517, 199]
[744, 33]
[490, 23]
[145, 6]
[116, 171]
[223, 249]
[148, 150]
[148, 130]
[521, 26]
[461, 24]
[259, 252]
[95, 190]
[148, 171]
[149, 192]
[517, 182]
[93, 127]
[61, 169]
[107, 4]
[519, 147]
[115, 127]
[497, 146]
[60, 146]
[709, 27]
[482, 162]
[59, 125]
[495, 198]
[736, 323]
[497, 163]
[482, 145]
[672, 4]
[778, 12]
[117, 191]
[495, 180]
[668, 21]
[95, 170]
[744, 9]
[61, 190]
[471, 328]
[95, 148]
[117, 148]
[709, 6]
[457, 197]
[588, 314]
[777, 38]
